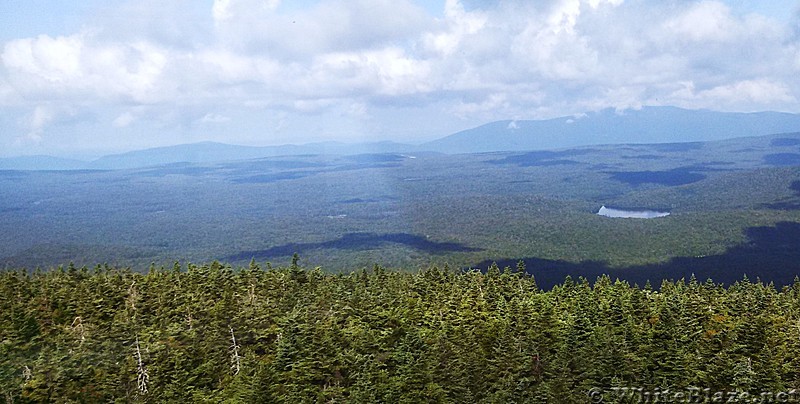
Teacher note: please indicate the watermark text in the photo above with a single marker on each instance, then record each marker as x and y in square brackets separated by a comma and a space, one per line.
[688, 395]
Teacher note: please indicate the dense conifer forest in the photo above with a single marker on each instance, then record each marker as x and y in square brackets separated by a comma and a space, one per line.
[216, 333]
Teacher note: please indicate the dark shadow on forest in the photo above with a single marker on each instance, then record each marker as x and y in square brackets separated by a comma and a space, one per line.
[784, 141]
[772, 254]
[792, 203]
[676, 147]
[11, 209]
[355, 241]
[709, 166]
[542, 158]
[376, 158]
[258, 176]
[673, 177]
[782, 159]
[644, 157]
[260, 166]
[605, 167]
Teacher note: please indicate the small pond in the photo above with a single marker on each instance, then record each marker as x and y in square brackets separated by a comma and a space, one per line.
[638, 214]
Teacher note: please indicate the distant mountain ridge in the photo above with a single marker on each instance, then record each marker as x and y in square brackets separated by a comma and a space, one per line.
[212, 151]
[202, 152]
[645, 125]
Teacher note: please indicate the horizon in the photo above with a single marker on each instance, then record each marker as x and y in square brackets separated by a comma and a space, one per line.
[513, 125]
[94, 79]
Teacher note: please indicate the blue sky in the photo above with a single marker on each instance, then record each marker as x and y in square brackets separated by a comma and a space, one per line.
[94, 77]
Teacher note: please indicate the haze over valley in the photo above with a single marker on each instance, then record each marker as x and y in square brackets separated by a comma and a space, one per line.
[731, 204]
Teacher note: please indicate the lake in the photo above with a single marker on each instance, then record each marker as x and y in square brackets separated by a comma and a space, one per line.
[638, 214]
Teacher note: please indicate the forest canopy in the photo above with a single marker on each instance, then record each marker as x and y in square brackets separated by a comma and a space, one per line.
[218, 333]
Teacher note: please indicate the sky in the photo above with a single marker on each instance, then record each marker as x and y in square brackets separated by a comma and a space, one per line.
[83, 79]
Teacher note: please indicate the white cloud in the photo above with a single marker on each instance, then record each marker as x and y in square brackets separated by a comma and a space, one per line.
[6, 91]
[214, 118]
[762, 92]
[388, 71]
[458, 24]
[221, 10]
[363, 60]
[75, 66]
[254, 26]
[703, 21]
[40, 117]
[493, 102]
[225, 10]
[598, 3]
[738, 95]
[56, 60]
[123, 120]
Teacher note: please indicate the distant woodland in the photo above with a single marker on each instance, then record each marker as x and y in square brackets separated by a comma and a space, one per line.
[215, 333]
[734, 209]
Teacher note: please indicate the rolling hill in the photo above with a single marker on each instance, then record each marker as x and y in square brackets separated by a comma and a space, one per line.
[606, 127]
[202, 152]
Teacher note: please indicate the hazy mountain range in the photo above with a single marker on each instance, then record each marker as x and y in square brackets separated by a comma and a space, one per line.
[646, 125]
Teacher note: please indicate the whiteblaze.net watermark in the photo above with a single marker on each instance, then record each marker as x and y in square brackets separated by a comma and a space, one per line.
[688, 395]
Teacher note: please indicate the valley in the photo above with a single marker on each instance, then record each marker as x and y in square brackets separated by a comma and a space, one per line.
[727, 200]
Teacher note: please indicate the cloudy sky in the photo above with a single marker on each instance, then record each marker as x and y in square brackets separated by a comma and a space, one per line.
[93, 77]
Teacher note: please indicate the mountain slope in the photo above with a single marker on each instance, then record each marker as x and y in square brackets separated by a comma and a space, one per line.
[647, 125]
[211, 151]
